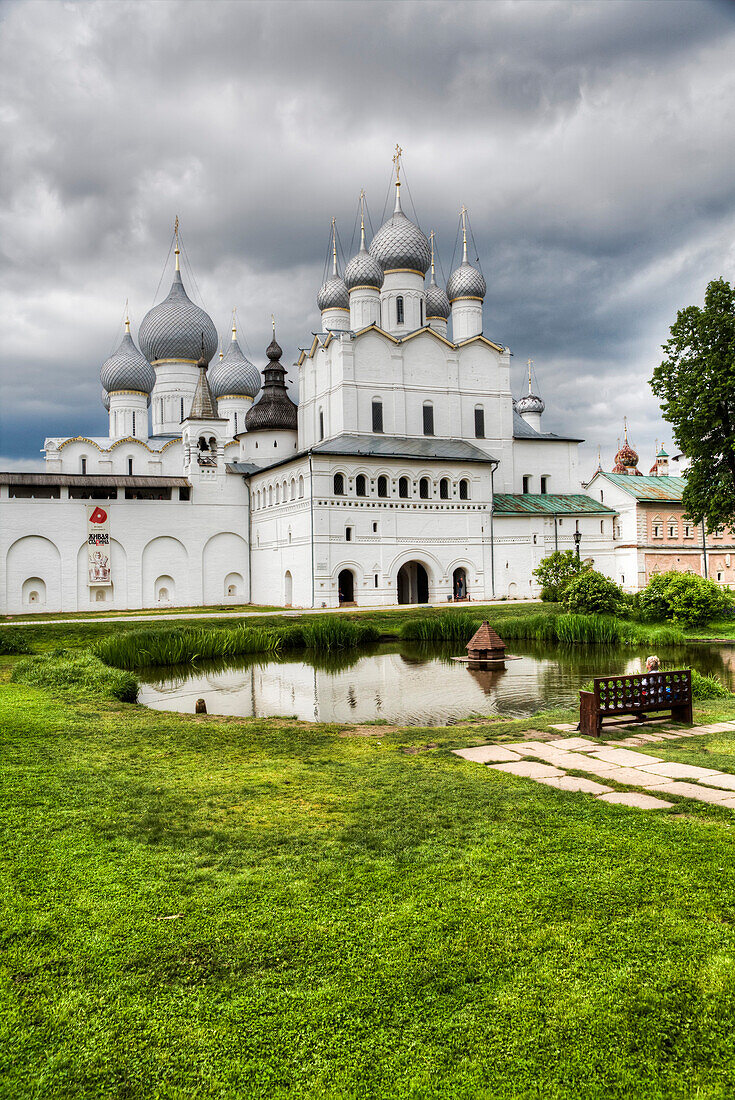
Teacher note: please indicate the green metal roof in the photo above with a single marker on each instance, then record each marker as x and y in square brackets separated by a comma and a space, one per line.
[549, 504]
[662, 488]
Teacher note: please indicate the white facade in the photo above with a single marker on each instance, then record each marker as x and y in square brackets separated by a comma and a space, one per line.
[411, 476]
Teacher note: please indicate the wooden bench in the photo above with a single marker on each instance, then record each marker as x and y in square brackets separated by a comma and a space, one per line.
[614, 696]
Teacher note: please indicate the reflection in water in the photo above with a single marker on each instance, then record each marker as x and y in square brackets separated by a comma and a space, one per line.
[409, 684]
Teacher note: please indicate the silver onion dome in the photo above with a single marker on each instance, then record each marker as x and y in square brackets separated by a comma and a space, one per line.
[399, 244]
[174, 328]
[363, 269]
[437, 303]
[466, 282]
[234, 374]
[530, 404]
[127, 369]
[105, 400]
[333, 294]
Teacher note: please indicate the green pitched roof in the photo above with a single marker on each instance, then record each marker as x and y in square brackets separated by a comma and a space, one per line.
[550, 504]
[662, 488]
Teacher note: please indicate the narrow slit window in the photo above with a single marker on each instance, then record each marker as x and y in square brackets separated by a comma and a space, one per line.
[399, 310]
[479, 423]
[428, 419]
[377, 416]
[339, 485]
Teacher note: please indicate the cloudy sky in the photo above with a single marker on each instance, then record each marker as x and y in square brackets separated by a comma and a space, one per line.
[591, 142]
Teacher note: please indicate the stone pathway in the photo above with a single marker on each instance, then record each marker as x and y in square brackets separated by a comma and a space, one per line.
[549, 762]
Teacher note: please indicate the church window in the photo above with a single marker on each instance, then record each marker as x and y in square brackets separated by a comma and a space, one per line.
[479, 423]
[293, 488]
[526, 483]
[278, 494]
[360, 485]
[602, 527]
[83, 464]
[444, 489]
[184, 493]
[270, 494]
[133, 422]
[235, 424]
[428, 419]
[464, 489]
[382, 486]
[182, 408]
[658, 529]
[348, 534]
[375, 528]
[301, 486]
[687, 530]
[535, 540]
[321, 423]
[130, 466]
[375, 580]
[403, 487]
[424, 488]
[421, 312]
[544, 485]
[673, 529]
[399, 310]
[377, 416]
[339, 485]
[602, 495]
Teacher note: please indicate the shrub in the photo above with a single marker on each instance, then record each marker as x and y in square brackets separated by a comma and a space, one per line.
[683, 598]
[555, 572]
[13, 641]
[591, 593]
[708, 687]
[78, 673]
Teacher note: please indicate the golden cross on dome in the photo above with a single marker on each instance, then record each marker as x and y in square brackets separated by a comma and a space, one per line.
[431, 239]
[625, 426]
[397, 161]
[530, 366]
[234, 322]
[273, 322]
[127, 319]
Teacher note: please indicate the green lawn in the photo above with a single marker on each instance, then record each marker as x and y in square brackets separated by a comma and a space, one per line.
[242, 908]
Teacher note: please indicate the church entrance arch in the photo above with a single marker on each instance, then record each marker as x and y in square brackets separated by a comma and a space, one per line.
[413, 583]
[459, 584]
[346, 586]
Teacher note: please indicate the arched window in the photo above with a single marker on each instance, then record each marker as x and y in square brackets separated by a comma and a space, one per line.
[377, 416]
[360, 485]
[293, 488]
[421, 312]
[339, 485]
[270, 494]
[382, 486]
[444, 488]
[130, 467]
[278, 494]
[403, 487]
[424, 488]
[181, 403]
[428, 419]
[83, 464]
[479, 423]
[399, 310]
[464, 489]
[301, 485]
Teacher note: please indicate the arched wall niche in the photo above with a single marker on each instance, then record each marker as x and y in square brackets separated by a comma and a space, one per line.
[225, 554]
[166, 557]
[33, 564]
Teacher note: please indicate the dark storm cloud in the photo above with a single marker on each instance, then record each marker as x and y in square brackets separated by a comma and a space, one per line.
[590, 141]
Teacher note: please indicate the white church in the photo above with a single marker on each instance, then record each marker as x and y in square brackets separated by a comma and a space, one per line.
[406, 474]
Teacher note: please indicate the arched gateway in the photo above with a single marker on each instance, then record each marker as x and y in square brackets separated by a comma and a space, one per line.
[346, 585]
[413, 583]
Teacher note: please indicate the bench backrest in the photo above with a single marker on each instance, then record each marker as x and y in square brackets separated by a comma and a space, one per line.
[647, 691]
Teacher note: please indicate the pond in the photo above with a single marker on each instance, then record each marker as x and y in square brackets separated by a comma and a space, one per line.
[406, 683]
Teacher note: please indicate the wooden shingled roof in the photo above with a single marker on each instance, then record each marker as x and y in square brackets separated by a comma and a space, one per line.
[485, 638]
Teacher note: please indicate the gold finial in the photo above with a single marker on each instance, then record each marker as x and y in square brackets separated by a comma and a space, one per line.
[127, 320]
[221, 353]
[334, 246]
[599, 458]
[273, 322]
[625, 426]
[530, 367]
[362, 220]
[176, 235]
[464, 234]
[397, 161]
[431, 239]
[234, 322]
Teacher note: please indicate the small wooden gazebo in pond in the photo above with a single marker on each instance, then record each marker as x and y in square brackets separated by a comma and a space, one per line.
[486, 647]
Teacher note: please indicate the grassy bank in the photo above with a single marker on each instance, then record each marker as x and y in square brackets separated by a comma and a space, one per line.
[226, 908]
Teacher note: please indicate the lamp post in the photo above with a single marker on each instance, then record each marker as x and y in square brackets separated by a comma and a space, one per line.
[577, 536]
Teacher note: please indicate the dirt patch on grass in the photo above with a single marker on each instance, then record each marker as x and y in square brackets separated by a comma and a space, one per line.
[367, 731]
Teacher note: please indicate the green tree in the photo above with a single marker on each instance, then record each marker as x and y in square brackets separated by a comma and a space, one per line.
[592, 593]
[555, 572]
[683, 598]
[696, 387]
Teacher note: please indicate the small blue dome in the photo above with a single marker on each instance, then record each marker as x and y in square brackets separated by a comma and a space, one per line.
[127, 369]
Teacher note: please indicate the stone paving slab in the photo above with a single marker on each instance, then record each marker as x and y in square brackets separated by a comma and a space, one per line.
[719, 779]
[629, 777]
[575, 783]
[625, 757]
[575, 743]
[486, 754]
[635, 800]
[565, 727]
[678, 771]
[529, 769]
[697, 792]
